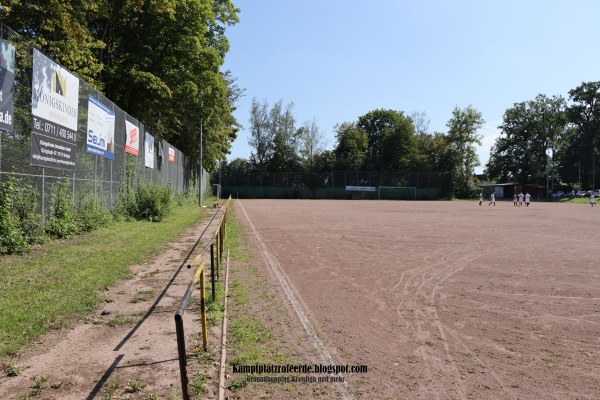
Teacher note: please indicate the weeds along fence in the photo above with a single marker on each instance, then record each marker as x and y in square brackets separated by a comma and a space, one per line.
[96, 149]
[214, 249]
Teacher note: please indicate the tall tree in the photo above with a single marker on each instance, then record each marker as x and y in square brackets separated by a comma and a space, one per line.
[462, 137]
[262, 136]
[573, 160]
[582, 150]
[420, 122]
[529, 130]
[274, 137]
[434, 152]
[61, 30]
[392, 141]
[158, 60]
[312, 142]
[285, 139]
[351, 149]
[236, 172]
[163, 66]
[324, 161]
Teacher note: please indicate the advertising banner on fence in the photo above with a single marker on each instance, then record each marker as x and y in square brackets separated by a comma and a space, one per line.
[7, 85]
[101, 129]
[149, 150]
[132, 145]
[54, 107]
[171, 154]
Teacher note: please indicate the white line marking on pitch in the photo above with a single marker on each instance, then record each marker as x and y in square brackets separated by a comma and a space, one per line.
[312, 335]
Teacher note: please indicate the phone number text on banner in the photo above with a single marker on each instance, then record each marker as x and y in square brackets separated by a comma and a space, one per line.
[52, 145]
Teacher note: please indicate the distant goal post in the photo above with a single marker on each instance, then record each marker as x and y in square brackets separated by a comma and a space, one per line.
[397, 193]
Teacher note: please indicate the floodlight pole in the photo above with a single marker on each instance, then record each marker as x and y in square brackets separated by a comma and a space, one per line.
[201, 166]
[201, 169]
[552, 168]
[547, 166]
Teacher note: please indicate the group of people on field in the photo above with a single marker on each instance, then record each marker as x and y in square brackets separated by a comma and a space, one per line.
[518, 199]
[520, 196]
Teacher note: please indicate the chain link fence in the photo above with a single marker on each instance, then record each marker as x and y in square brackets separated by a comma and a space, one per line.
[93, 176]
[428, 185]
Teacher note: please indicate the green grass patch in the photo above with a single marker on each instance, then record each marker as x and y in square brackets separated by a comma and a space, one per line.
[121, 320]
[215, 308]
[257, 319]
[11, 369]
[57, 284]
[248, 335]
[109, 390]
[198, 385]
[135, 386]
[579, 200]
[36, 390]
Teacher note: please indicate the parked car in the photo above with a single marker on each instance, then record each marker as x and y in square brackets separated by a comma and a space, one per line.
[571, 194]
[596, 192]
[558, 194]
[581, 193]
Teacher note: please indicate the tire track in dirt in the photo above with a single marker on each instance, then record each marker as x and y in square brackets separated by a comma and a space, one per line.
[419, 290]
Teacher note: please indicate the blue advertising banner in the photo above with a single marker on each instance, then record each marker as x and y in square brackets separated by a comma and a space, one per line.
[101, 129]
[7, 85]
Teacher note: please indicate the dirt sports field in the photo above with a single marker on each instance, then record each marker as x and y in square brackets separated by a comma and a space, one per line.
[442, 300]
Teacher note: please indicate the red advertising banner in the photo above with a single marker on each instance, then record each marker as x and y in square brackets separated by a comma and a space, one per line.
[132, 145]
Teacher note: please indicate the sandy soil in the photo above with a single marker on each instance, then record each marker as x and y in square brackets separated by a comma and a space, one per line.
[439, 300]
[85, 361]
[446, 300]
[281, 338]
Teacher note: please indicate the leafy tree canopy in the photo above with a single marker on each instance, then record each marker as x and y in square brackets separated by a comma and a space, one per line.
[159, 60]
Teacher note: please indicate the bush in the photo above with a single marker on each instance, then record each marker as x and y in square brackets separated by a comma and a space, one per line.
[188, 197]
[92, 215]
[11, 237]
[152, 203]
[125, 207]
[62, 223]
[25, 207]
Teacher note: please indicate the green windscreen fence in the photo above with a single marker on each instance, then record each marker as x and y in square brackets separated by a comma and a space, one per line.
[389, 185]
[340, 193]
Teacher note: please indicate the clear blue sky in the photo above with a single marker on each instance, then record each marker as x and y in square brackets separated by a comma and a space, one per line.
[337, 60]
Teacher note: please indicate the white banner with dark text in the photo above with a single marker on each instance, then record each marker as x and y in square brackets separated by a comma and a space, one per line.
[54, 108]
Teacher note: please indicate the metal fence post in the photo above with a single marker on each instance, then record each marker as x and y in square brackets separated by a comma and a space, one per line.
[217, 253]
[43, 194]
[185, 388]
[212, 270]
[111, 186]
[222, 238]
[203, 309]
[95, 179]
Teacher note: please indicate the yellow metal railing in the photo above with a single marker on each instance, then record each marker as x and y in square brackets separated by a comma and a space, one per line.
[218, 240]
